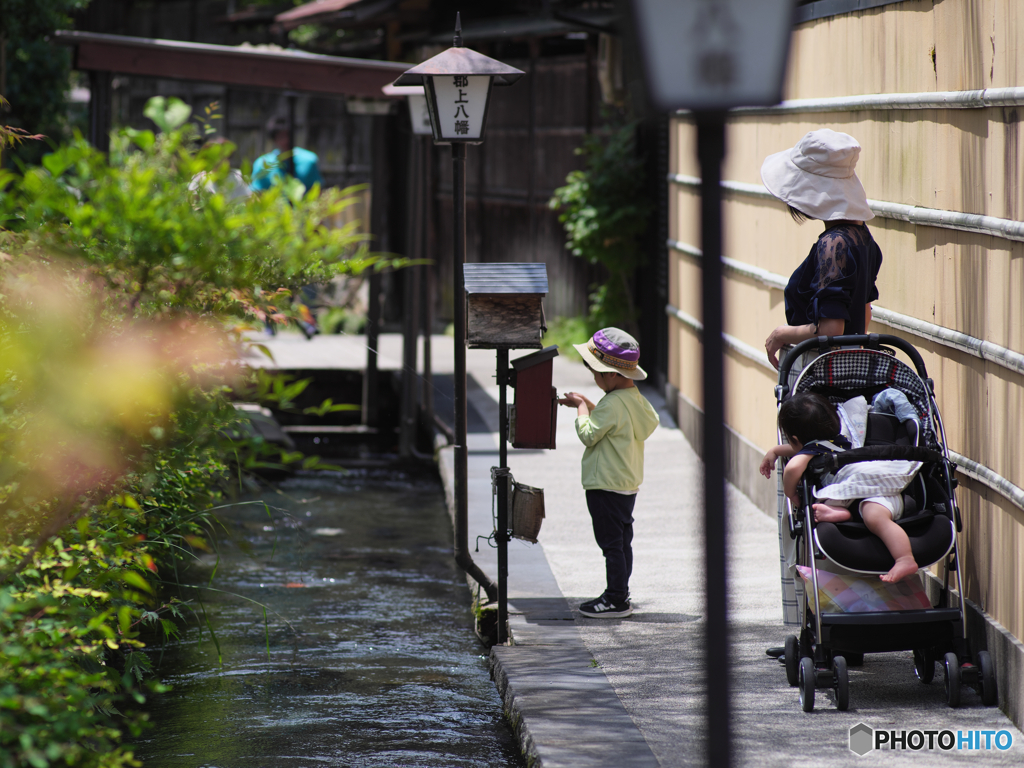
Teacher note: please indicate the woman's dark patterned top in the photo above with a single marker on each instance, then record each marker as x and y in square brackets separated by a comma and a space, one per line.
[836, 279]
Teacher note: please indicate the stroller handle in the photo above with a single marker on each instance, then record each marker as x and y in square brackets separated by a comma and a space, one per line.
[866, 340]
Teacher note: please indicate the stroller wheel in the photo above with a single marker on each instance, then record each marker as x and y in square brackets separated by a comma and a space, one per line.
[792, 655]
[807, 684]
[924, 665]
[841, 681]
[951, 662]
[987, 678]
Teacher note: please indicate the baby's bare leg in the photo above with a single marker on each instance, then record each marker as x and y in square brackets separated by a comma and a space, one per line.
[879, 521]
[824, 513]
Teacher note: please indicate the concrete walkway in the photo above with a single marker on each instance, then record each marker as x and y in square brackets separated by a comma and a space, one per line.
[629, 692]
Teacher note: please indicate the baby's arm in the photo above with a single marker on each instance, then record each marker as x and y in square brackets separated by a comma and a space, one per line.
[792, 474]
[778, 452]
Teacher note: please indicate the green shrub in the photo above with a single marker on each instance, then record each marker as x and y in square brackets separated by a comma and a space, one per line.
[604, 212]
[122, 298]
[566, 331]
[36, 72]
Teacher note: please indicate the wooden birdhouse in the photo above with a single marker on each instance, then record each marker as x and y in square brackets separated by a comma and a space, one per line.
[504, 308]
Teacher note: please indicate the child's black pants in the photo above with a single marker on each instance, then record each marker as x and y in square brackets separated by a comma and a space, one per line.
[612, 515]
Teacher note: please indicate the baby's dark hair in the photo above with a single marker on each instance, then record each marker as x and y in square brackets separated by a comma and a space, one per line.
[809, 416]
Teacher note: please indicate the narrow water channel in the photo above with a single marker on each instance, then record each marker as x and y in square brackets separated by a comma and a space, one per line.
[372, 656]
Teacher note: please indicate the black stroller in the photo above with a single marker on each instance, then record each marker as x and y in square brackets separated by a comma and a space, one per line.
[865, 365]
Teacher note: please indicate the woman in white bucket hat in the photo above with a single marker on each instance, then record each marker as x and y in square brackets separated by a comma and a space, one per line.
[830, 293]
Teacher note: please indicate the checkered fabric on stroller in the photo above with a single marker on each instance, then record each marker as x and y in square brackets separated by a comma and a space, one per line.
[846, 373]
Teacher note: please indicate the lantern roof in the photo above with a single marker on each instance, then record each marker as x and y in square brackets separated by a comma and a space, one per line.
[400, 91]
[461, 61]
[458, 60]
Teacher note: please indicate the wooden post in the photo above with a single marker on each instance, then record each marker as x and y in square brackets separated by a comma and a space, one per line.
[410, 315]
[429, 286]
[379, 204]
[531, 173]
[99, 110]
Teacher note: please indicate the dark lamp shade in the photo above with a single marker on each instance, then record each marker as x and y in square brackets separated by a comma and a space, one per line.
[713, 55]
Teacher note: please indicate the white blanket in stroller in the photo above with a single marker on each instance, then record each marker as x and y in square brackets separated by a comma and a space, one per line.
[869, 478]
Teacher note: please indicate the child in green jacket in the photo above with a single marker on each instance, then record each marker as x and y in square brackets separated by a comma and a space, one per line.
[613, 431]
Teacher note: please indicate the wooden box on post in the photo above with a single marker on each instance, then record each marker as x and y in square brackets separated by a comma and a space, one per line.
[534, 413]
[504, 305]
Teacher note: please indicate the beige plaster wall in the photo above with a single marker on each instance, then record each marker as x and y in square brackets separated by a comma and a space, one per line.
[959, 160]
[918, 45]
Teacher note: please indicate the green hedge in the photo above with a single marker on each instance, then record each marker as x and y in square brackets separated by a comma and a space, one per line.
[122, 296]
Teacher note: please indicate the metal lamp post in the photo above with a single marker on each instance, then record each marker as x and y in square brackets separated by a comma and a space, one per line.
[710, 56]
[457, 85]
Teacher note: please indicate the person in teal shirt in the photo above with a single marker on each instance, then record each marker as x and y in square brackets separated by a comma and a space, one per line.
[613, 432]
[270, 169]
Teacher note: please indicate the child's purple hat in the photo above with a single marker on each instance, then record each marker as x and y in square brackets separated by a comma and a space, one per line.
[611, 350]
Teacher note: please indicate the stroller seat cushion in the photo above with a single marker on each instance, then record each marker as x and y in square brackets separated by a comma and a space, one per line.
[853, 546]
[886, 429]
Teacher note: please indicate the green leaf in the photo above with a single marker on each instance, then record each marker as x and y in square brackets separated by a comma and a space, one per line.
[328, 406]
[135, 579]
[124, 619]
[71, 571]
[144, 140]
[264, 349]
[168, 114]
[55, 163]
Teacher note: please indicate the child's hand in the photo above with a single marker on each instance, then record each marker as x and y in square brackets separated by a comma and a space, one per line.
[571, 399]
[768, 463]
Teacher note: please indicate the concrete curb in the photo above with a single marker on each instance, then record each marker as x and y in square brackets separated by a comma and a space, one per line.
[563, 709]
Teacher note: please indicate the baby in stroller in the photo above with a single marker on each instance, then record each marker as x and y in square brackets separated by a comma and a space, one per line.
[812, 427]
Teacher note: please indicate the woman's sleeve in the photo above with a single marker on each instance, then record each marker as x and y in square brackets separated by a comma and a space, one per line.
[876, 265]
[834, 278]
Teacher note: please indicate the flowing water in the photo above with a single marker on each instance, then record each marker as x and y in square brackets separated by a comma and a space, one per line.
[372, 656]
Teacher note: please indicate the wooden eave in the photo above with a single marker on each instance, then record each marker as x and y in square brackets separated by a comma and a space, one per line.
[231, 65]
